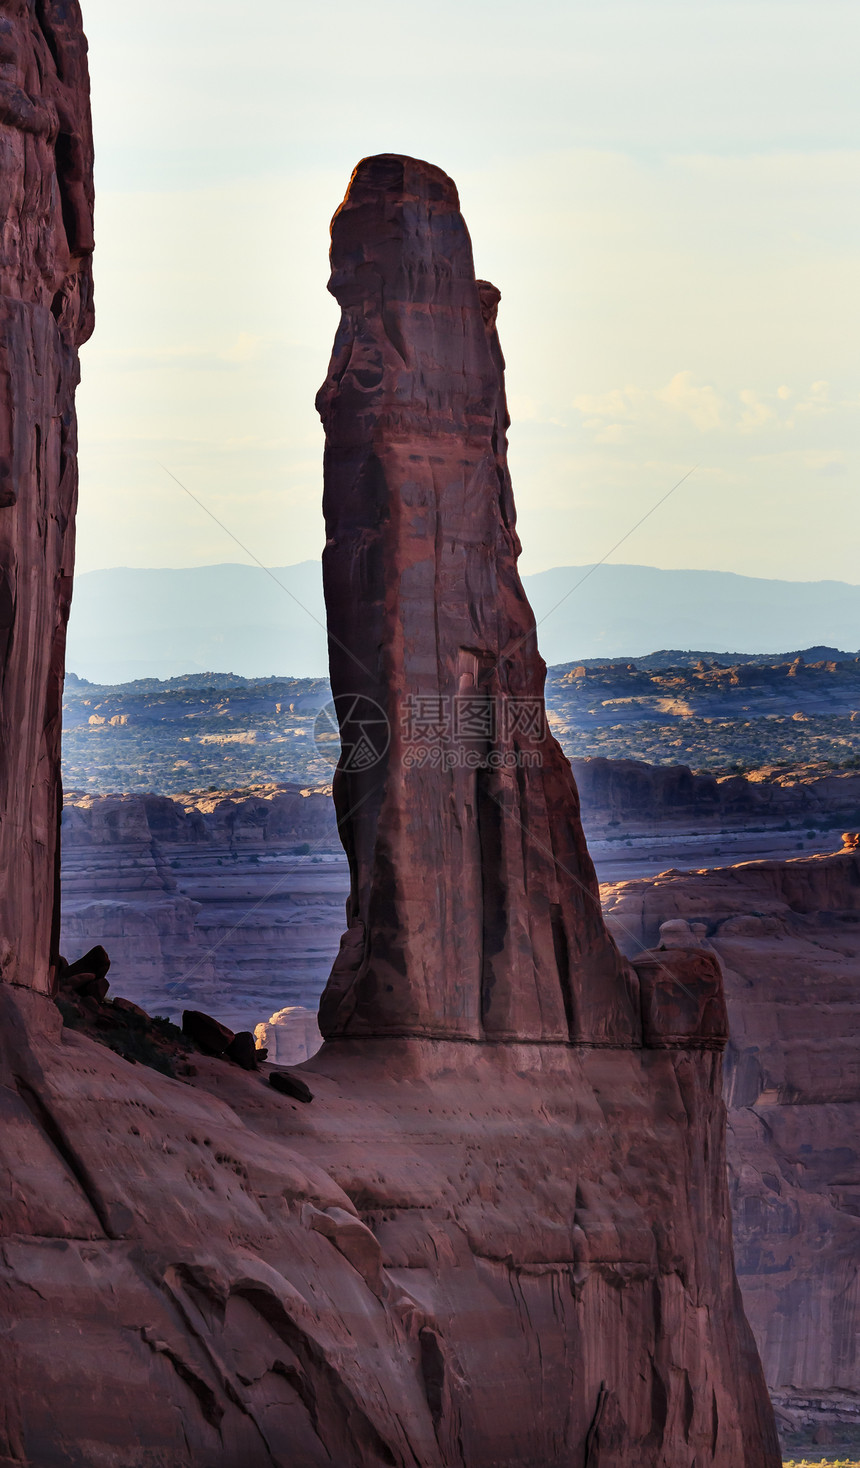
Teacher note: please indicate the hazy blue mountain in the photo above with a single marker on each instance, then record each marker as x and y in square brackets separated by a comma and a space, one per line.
[130, 623]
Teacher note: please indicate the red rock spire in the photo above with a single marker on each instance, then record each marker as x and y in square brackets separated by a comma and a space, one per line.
[474, 907]
[46, 213]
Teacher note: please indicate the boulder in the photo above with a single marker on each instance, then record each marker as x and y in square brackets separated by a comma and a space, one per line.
[208, 1034]
[242, 1049]
[290, 1085]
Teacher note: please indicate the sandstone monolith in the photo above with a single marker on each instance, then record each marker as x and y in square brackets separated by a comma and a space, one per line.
[474, 909]
[46, 312]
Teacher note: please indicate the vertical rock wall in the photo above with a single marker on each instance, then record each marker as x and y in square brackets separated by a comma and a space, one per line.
[46, 209]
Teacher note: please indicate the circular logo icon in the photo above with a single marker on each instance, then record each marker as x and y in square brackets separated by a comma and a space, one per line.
[352, 731]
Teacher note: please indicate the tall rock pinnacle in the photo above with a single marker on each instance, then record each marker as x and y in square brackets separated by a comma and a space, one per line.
[474, 908]
[46, 209]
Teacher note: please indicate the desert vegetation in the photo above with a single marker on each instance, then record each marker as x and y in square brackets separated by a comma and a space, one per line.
[228, 732]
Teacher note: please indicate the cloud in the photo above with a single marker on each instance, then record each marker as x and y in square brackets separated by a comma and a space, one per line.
[700, 404]
[744, 411]
[817, 399]
[703, 406]
[755, 413]
[244, 349]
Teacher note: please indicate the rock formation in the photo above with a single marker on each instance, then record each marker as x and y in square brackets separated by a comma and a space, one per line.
[488, 1223]
[46, 206]
[639, 796]
[788, 937]
[290, 1036]
[235, 902]
[474, 910]
[473, 913]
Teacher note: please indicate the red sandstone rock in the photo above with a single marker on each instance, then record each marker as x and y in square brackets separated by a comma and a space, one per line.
[289, 1085]
[788, 937]
[128, 1007]
[486, 1242]
[474, 910]
[243, 1050]
[682, 999]
[96, 961]
[46, 200]
[91, 986]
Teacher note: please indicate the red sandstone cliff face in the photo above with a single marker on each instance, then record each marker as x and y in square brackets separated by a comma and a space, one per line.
[460, 1253]
[788, 937]
[46, 201]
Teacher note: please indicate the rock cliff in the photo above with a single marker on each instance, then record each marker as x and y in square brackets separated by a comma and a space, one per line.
[635, 796]
[788, 938]
[492, 1228]
[224, 904]
[46, 208]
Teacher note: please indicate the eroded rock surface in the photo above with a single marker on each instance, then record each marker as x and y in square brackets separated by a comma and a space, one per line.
[46, 211]
[473, 911]
[788, 937]
[495, 1234]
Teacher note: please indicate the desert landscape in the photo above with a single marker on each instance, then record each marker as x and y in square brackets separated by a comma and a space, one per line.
[446, 1061]
[228, 732]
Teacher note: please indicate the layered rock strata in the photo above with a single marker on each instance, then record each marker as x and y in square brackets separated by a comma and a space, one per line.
[46, 209]
[788, 937]
[635, 796]
[233, 905]
[498, 1232]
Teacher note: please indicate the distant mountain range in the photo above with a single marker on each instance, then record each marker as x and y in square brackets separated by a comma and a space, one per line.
[129, 623]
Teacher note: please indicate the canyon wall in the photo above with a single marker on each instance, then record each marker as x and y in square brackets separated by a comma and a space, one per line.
[46, 312]
[788, 937]
[229, 905]
[634, 795]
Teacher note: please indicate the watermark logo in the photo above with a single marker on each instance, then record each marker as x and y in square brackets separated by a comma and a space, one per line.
[472, 731]
[352, 731]
[463, 731]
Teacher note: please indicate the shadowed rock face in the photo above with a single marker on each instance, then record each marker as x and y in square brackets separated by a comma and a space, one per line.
[788, 937]
[46, 202]
[474, 910]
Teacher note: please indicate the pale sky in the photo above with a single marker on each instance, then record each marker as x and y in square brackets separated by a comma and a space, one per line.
[666, 194]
